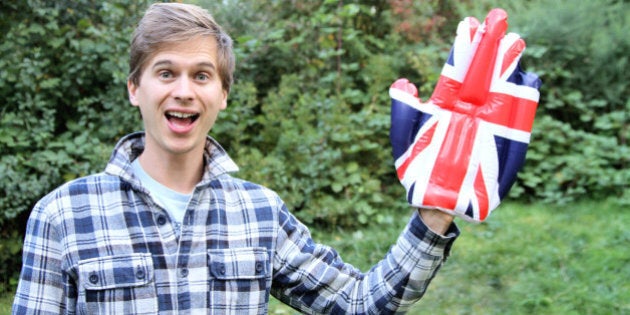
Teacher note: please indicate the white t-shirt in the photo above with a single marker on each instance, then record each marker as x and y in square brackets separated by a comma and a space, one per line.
[173, 202]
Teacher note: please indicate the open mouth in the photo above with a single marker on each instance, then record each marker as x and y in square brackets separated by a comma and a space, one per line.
[182, 119]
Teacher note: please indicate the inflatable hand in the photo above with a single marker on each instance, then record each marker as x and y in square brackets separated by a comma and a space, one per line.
[460, 151]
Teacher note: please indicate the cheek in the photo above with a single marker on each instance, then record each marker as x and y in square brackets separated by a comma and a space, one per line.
[215, 99]
[153, 95]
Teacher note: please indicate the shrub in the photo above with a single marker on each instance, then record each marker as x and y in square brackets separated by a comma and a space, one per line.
[580, 139]
[313, 120]
[10, 259]
[63, 89]
[64, 66]
[579, 147]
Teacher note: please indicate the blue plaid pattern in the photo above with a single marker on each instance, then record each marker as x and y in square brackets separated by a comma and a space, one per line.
[100, 245]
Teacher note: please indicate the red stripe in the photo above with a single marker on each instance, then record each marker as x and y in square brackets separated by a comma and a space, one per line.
[452, 162]
[509, 111]
[512, 53]
[479, 75]
[446, 92]
[502, 109]
[482, 195]
[418, 147]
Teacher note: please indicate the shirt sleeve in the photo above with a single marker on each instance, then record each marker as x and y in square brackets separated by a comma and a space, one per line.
[42, 287]
[313, 278]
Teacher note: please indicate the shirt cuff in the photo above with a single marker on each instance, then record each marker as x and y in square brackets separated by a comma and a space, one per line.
[429, 241]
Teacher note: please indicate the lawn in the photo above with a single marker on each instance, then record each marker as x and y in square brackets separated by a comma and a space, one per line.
[526, 259]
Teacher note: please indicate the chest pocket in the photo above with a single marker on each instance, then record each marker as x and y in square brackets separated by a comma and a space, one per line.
[238, 263]
[240, 280]
[117, 285]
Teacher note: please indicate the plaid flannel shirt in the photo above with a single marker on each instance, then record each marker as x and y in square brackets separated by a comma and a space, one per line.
[101, 245]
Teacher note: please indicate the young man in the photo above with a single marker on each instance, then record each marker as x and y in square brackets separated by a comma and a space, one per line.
[166, 229]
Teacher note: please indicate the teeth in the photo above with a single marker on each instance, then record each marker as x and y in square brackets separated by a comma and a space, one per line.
[181, 115]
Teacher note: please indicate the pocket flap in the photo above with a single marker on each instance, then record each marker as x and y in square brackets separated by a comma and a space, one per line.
[116, 271]
[238, 263]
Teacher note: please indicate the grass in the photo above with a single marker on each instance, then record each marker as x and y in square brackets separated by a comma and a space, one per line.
[5, 304]
[526, 259]
[538, 259]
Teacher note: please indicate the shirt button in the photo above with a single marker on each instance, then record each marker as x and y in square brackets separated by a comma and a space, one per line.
[259, 267]
[93, 278]
[140, 274]
[222, 269]
[161, 220]
[183, 272]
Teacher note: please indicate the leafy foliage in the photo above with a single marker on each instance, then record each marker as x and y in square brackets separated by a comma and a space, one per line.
[309, 112]
[64, 104]
[63, 85]
[353, 50]
[10, 259]
[318, 104]
[580, 139]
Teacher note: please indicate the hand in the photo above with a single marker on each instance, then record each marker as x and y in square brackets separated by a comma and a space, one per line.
[460, 151]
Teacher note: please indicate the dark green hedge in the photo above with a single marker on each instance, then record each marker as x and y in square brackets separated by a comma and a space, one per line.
[62, 85]
[63, 89]
[314, 110]
[580, 141]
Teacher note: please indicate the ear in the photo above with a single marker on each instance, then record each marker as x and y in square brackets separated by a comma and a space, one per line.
[132, 89]
[224, 101]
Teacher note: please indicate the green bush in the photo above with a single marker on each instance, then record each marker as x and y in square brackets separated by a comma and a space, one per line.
[295, 147]
[579, 147]
[62, 83]
[10, 259]
[309, 112]
[313, 120]
[64, 67]
[580, 140]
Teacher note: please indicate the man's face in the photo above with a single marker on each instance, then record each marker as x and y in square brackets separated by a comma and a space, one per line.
[180, 96]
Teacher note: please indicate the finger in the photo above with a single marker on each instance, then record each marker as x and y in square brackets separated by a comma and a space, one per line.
[454, 71]
[501, 103]
[511, 94]
[479, 76]
[463, 47]
[514, 94]
[405, 86]
[509, 54]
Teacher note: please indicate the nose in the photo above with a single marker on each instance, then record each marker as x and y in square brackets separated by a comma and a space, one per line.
[183, 90]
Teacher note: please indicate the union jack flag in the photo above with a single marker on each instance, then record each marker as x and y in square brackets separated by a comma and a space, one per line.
[460, 152]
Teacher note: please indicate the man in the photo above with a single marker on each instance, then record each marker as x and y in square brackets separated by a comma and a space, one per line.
[166, 229]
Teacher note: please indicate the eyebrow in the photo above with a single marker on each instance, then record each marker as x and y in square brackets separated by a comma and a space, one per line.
[167, 62]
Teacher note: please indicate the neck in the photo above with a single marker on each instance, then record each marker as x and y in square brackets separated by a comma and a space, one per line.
[180, 173]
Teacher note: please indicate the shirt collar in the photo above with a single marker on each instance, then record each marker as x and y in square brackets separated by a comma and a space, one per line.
[217, 161]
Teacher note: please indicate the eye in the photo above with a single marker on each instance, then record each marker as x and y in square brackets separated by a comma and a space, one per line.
[165, 74]
[202, 76]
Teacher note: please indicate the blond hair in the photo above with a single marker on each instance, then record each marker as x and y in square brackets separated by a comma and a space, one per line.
[165, 23]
